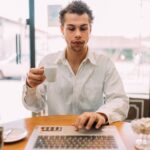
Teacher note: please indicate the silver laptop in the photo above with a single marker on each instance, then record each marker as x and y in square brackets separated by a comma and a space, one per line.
[66, 138]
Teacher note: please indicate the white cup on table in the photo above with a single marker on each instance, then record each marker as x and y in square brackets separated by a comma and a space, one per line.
[50, 73]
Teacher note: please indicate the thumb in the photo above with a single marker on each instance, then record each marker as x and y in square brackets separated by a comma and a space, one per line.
[41, 67]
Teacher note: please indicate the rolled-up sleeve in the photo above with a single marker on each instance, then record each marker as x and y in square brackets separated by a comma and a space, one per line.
[116, 102]
[33, 98]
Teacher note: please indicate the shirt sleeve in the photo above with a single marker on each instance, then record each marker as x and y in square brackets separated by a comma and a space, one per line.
[34, 99]
[116, 102]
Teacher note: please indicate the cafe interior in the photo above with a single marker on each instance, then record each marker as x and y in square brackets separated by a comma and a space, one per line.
[30, 30]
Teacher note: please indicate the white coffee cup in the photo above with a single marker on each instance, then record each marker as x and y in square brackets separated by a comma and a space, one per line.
[50, 73]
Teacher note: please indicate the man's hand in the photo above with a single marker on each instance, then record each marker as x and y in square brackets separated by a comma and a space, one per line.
[87, 119]
[35, 77]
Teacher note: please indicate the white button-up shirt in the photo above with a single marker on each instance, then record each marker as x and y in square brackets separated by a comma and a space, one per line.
[96, 87]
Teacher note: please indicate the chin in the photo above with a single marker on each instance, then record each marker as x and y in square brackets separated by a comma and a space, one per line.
[77, 49]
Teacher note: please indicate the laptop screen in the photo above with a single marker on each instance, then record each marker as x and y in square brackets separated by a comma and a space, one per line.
[67, 138]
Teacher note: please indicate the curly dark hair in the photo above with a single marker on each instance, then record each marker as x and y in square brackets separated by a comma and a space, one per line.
[76, 7]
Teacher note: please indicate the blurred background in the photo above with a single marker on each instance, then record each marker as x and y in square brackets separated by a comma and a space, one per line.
[121, 30]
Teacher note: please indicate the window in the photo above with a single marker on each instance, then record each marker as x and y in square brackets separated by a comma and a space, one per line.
[13, 45]
[120, 30]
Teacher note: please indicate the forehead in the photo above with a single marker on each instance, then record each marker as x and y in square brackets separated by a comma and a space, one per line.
[75, 19]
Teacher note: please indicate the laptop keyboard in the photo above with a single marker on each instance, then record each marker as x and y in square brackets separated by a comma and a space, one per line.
[75, 142]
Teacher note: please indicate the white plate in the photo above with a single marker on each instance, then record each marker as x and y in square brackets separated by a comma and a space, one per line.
[14, 135]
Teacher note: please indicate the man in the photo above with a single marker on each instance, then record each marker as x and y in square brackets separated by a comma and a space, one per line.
[83, 77]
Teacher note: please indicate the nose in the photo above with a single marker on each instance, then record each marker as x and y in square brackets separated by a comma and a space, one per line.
[78, 33]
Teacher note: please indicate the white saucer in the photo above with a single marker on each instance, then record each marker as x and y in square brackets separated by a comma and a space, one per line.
[14, 135]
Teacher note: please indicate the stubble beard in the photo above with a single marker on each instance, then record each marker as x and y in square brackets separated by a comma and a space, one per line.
[77, 48]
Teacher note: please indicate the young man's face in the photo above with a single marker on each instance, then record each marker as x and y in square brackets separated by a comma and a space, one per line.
[76, 30]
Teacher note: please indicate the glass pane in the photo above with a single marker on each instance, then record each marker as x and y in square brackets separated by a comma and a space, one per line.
[120, 30]
[14, 58]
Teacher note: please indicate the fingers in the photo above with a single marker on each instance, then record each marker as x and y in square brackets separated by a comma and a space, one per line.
[88, 119]
[35, 77]
[99, 124]
[91, 121]
[81, 121]
[37, 70]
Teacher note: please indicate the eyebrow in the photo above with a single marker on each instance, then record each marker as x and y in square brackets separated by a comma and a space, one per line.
[71, 25]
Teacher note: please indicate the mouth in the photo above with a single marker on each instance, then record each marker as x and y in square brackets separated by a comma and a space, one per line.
[77, 42]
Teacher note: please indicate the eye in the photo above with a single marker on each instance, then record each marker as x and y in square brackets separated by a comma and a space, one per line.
[83, 28]
[71, 28]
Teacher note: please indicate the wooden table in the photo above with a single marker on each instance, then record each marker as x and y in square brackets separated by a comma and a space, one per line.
[29, 123]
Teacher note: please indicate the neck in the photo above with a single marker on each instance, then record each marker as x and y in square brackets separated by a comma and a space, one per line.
[76, 58]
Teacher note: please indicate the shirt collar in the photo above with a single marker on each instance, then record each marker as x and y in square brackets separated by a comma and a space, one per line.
[62, 57]
[91, 57]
